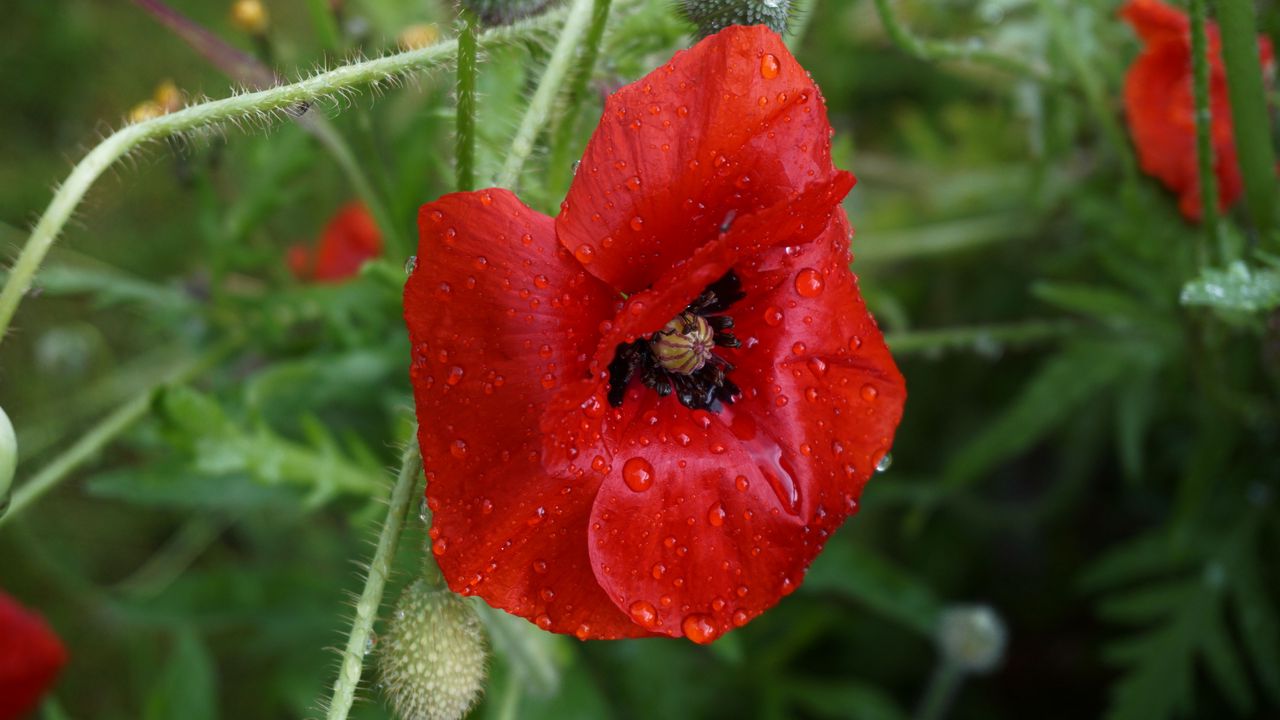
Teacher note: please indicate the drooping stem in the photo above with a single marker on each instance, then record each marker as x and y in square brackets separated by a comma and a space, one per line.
[535, 117]
[292, 99]
[1249, 114]
[565, 125]
[937, 50]
[466, 90]
[109, 428]
[344, 688]
[1204, 138]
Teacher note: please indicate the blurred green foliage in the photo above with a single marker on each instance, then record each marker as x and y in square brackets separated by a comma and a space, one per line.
[1091, 445]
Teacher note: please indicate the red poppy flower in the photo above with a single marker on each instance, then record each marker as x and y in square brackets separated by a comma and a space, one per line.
[646, 415]
[350, 238]
[1160, 105]
[30, 658]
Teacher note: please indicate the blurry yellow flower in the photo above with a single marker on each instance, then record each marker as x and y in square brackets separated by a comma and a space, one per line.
[250, 16]
[419, 36]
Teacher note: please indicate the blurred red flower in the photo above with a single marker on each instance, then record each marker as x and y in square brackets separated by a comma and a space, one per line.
[30, 658]
[350, 239]
[1160, 105]
[647, 415]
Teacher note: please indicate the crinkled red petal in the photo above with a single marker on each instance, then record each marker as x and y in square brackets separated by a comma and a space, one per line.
[350, 239]
[730, 126]
[707, 519]
[1156, 21]
[30, 658]
[577, 425]
[498, 315]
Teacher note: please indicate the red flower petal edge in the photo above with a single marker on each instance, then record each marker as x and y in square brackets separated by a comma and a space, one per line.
[349, 240]
[30, 658]
[1160, 105]
[647, 415]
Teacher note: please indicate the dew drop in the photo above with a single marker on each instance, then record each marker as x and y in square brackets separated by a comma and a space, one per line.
[698, 628]
[715, 516]
[885, 462]
[637, 473]
[633, 182]
[809, 283]
[742, 483]
[772, 316]
[543, 621]
[869, 392]
[410, 264]
[458, 449]
[644, 613]
[585, 254]
[637, 223]
[740, 618]
[769, 66]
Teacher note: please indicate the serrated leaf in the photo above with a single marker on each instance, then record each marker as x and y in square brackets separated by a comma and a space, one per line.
[1236, 288]
[1224, 665]
[1135, 406]
[188, 686]
[175, 485]
[1259, 625]
[1144, 604]
[1142, 556]
[1066, 382]
[857, 572]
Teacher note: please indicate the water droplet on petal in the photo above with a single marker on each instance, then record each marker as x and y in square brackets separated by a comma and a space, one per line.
[585, 254]
[885, 462]
[698, 628]
[410, 264]
[869, 392]
[637, 473]
[633, 182]
[769, 66]
[644, 613]
[809, 283]
[715, 516]
[772, 316]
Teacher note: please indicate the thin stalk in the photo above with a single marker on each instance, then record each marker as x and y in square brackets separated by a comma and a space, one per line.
[1204, 137]
[466, 112]
[1249, 114]
[977, 338]
[941, 691]
[293, 100]
[535, 117]
[97, 438]
[344, 688]
[937, 50]
[562, 136]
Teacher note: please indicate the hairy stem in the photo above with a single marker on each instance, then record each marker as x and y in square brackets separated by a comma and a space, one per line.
[344, 688]
[535, 117]
[936, 50]
[1204, 138]
[97, 437]
[565, 125]
[293, 99]
[1249, 114]
[466, 112]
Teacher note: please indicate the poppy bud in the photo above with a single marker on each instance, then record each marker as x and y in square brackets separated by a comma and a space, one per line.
[972, 638]
[250, 16]
[8, 458]
[712, 16]
[504, 12]
[432, 657]
[416, 37]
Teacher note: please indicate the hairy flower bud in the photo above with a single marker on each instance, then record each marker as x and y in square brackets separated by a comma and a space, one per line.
[432, 657]
[504, 12]
[712, 16]
[972, 637]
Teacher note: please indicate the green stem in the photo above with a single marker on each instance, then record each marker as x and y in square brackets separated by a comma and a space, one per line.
[976, 337]
[344, 688]
[936, 50]
[466, 89]
[290, 100]
[535, 117]
[1204, 138]
[582, 72]
[938, 696]
[1249, 114]
[1091, 83]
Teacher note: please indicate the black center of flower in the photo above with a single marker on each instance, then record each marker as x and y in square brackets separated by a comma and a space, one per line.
[680, 358]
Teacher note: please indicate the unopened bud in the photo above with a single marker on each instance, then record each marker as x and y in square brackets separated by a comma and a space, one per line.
[972, 638]
[8, 458]
[433, 655]
[503, 12]
[712, 16]
[250, 16]
[416, 37]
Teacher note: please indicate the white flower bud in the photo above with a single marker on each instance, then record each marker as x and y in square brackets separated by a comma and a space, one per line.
[972, 638]
[433, 655]
[8, 458]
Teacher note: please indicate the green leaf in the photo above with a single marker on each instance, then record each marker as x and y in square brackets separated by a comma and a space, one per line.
[1073, 378]
[857, 572]
[187, 687]
[1236, 288]
[109, 287]
[849, 700]
[533, 655]
[1259, 625]
[175, 484]
[1102, 303]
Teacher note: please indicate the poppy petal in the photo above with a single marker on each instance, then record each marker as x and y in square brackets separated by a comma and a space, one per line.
[30, 658]
[731, 125]
[572, 425]
[351, 238]
[1156, 21]
[497, 314]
